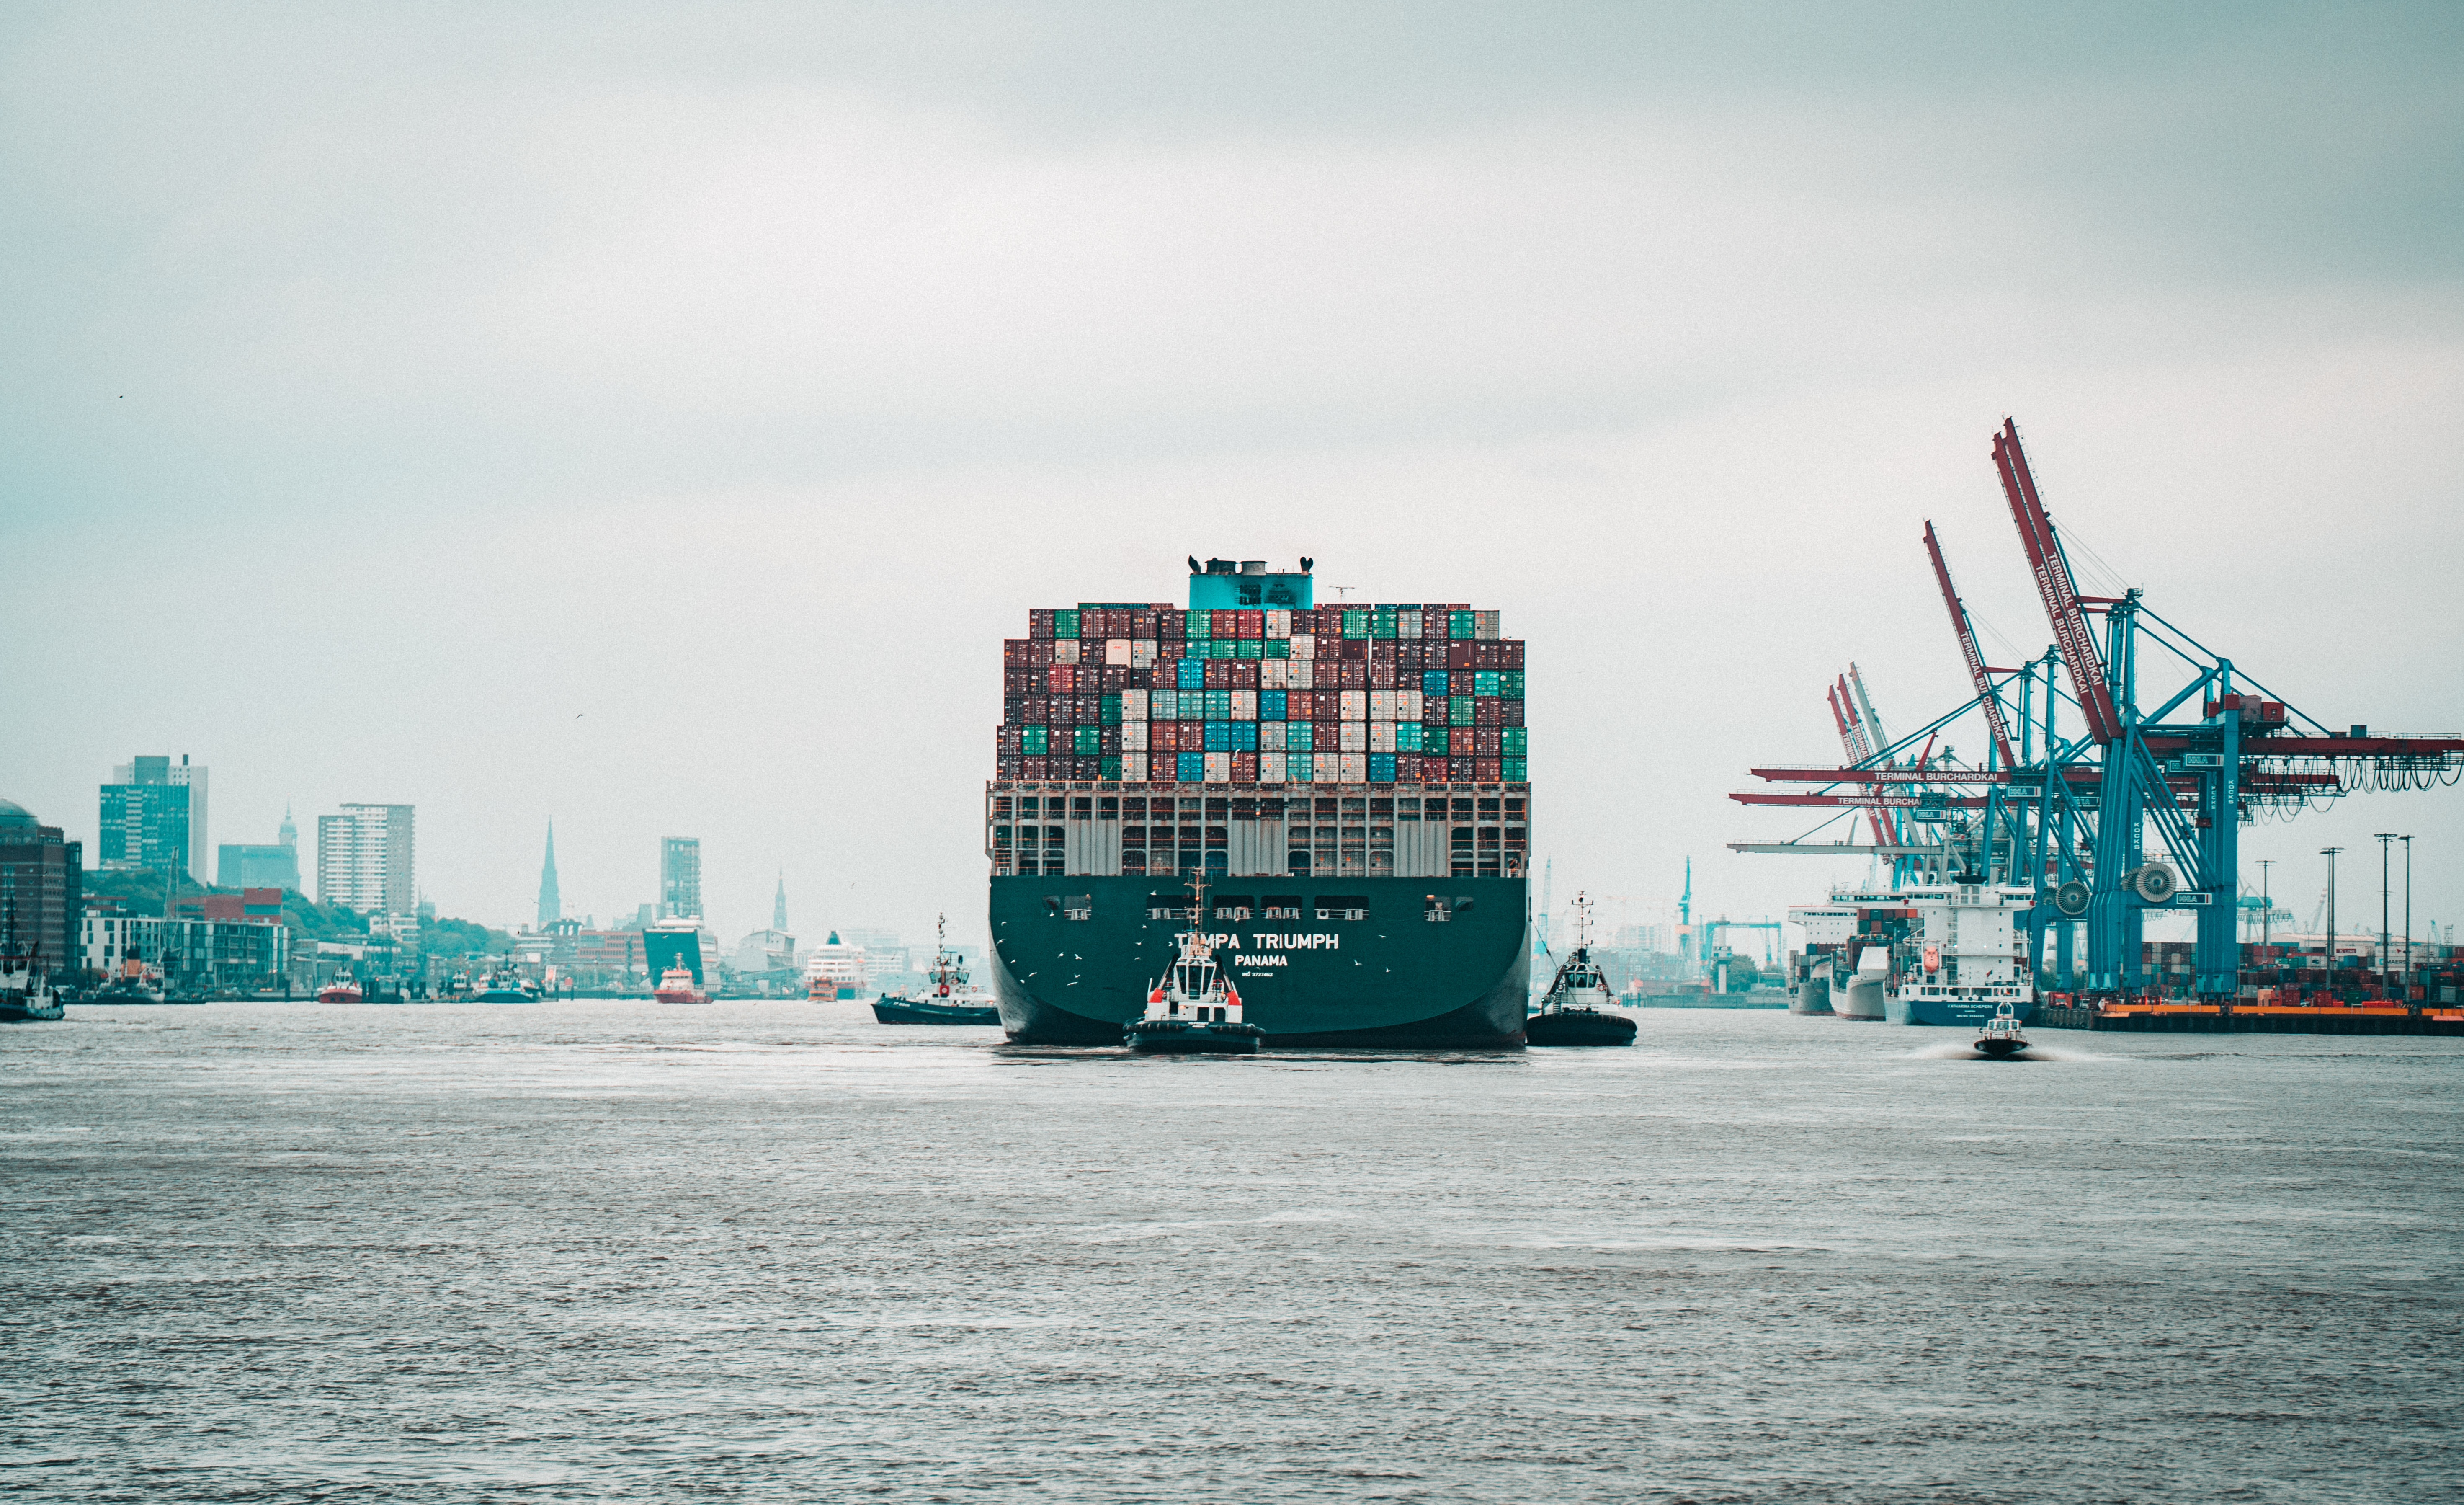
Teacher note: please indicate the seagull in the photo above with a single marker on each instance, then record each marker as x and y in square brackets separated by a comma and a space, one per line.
[1306, 564]
[1193, 566]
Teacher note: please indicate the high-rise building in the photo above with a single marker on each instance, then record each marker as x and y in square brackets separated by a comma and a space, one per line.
[248, 866]
[551, 905]
[778, 905]
[42, 881]
[680, 878]
[365, 859]
[154, 815]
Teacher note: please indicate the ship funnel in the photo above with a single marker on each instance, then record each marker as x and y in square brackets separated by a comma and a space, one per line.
[1253, 567]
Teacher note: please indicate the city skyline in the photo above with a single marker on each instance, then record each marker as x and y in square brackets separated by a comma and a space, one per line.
[1481, 386]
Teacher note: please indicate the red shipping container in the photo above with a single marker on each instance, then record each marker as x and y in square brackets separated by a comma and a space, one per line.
[1163, 737]
[1510, 656]
[1005, 741]
[1021, 681]
[1142, 624]
[1038, 710]
[1463, 655]
[1407, 767]
[1484, 713]
[1089, 768]
[1245, 768]
[1039, 623]
[1032, 768]
[1062, 678]
[1459, 681]
[1356, 676]
[1115, 678]
[1172, 622]
[1253, 624]
[1014, 651]
[1245, 673]
[1039, 652]
[1458, 770]
[1487, 741]
[1433, 625]
[1486, 770]
[1006, 768]
[1381, 676]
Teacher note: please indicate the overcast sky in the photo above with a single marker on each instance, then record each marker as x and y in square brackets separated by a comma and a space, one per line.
[653, 418]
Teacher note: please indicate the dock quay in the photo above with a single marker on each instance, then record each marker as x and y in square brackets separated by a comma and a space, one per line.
[2253, 1018]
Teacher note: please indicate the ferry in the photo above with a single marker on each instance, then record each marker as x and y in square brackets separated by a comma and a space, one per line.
[834, 971]
[341, 990]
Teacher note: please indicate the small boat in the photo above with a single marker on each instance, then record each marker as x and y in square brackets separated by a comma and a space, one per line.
[676, 985]
[26, 994]
[2001, 1038]
[505, 986]
[1193, 1009]
[1579, 1008]
[948, 1000]
[341, 990]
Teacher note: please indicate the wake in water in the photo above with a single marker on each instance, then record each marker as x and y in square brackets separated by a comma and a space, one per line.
[1954, 1051]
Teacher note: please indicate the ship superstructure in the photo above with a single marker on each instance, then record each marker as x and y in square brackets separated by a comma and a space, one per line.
[1351, 779]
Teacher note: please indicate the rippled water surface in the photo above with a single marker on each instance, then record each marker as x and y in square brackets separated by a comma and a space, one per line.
[613, 1251]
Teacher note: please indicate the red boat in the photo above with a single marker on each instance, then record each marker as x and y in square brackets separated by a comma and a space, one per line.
[345, 991]
[676, 986]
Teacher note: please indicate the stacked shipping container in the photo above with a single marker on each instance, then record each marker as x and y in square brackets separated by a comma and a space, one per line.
[1153, 694]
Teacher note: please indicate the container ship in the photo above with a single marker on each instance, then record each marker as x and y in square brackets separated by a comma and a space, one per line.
[1349, 778]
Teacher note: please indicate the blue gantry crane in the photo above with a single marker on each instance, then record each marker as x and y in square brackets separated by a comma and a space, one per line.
[2178, 753]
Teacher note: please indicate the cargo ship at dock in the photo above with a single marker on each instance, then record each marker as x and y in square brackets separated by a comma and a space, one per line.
[1351, 780]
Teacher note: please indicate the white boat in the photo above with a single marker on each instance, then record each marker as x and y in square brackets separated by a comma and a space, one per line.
[1194, 1010]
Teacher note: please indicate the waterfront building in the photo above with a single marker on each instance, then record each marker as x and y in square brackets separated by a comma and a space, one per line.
[223, 939]
[764, 951]
[153, 815]
[365, 859]
[42, 881]
[680, 878]
[551, 904]
[275, 865]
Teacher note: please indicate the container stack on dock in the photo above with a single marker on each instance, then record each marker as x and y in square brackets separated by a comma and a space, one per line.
[1152, 693]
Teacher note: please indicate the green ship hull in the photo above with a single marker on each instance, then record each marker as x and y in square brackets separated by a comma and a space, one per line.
[1073, 957]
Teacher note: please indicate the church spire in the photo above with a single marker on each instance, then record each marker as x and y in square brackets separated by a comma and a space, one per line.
[778, 905]
[551, 908]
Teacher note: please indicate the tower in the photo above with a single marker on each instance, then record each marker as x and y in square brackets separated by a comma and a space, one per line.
[551, 907]
[778, 905]
[680, 878]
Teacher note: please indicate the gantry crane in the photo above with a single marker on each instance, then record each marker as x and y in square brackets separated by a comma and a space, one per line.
[2070, 815]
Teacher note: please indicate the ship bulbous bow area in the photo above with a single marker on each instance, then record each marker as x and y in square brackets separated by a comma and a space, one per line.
[1385, 963]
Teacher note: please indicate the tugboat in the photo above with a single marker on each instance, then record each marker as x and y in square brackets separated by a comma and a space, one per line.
[951, 999]
[2001, 1039]
[505, 986]
[341, 990]
[1579, 1008]
[24, 993]
[676, 985]
[1192, 1009]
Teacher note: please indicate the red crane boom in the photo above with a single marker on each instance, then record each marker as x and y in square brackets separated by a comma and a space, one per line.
[2053, 583]
[1967, 634]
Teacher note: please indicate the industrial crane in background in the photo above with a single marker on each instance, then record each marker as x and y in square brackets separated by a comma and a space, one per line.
[2069, 813]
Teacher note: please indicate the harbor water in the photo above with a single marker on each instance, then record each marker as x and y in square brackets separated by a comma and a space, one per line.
[605, 1250]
